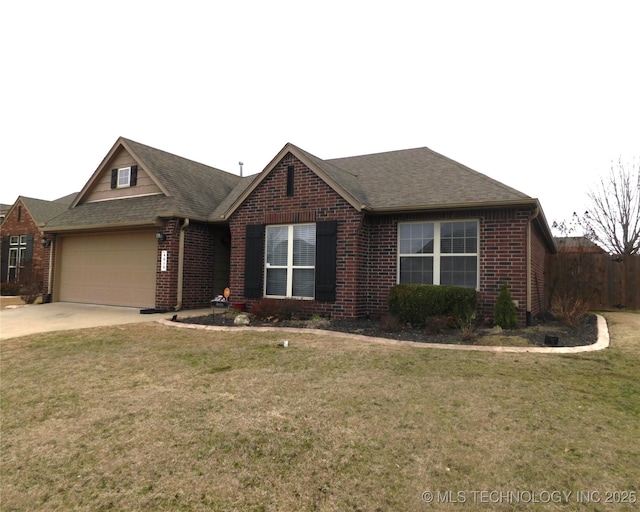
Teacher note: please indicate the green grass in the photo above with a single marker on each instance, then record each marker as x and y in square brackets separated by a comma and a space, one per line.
[147, 417]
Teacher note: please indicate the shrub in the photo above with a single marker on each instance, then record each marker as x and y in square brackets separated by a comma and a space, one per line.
[414, 303]
[290, 309]
[389, 323]
[434, 325]
[568, 308]
[30, 292]
[506, 314]
[276, 309]
[467, 323]
[10, 289]
[265, 309]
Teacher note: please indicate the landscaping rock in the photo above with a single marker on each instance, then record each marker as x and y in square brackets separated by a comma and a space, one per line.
[241, 319]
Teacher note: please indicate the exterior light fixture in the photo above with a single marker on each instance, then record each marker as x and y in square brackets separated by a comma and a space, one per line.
[46, 242]
[160, 235]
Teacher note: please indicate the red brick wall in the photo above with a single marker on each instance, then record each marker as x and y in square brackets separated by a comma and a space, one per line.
[313, 201]
[198, 266]
[19, 222]
[538, 272]
[197, 290]
[167, 282]
[503, 235]
[503, 258]
[367, 245]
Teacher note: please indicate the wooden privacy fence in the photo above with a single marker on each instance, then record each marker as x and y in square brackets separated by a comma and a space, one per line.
[603, 281]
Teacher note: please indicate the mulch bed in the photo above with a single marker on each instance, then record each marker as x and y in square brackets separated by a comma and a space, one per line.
[584, 333]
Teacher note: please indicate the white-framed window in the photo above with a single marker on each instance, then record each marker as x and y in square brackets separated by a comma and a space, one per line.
[290, 259]
[439, 252]
[17, 255]
[124, 177]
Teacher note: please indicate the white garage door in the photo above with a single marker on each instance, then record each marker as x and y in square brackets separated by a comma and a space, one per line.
[117, 269]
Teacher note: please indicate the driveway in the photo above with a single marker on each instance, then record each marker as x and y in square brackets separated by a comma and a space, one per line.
[60, 316]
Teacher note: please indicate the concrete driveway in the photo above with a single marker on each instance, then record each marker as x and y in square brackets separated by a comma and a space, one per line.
[60, 316]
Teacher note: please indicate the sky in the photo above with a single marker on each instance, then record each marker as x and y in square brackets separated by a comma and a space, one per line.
[541, 95]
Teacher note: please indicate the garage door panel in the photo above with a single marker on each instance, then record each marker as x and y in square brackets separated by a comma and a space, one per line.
[114, 269]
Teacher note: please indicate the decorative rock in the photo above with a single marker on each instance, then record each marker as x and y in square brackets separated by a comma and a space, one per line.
[241, 319]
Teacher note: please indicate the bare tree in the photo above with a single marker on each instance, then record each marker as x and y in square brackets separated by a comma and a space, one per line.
[613, 219]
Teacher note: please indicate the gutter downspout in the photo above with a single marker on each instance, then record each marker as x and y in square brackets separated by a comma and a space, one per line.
[52, 247]
[185, 224]
[535, 214]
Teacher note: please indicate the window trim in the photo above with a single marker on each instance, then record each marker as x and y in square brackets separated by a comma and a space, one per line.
[437, 254]
[289, 267]
[120, 175]
[14, 257]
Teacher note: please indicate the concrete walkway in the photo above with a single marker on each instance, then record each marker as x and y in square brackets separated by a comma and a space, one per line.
[61, 316]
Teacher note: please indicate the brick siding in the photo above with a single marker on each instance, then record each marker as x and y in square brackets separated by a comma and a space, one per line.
[19, 222]
[198, 266]
[167, 281]
[313, 201]
[366, 266]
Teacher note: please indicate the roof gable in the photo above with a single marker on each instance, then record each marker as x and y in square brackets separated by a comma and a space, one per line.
[346, 185]
[118, 153]
[40, 210]
[197, 188]
[177, 187]
[412, 179]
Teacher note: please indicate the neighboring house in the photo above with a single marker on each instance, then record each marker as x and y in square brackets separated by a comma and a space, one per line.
[154, 230]
[24, 257]
[4, 209]
[577, 244]
[138, 233]
[339, 234]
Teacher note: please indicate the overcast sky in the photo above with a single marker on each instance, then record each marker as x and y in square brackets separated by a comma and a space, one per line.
[541, 95]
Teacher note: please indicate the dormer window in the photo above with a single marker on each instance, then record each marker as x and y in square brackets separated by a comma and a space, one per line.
[124, 177]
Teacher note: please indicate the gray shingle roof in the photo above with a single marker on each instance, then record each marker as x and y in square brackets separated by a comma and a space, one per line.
[41, 211]
[418, 178]
[194, 191]
[233, 195]
[134, 211]
[68, 199]
[411, 179]
[197, 188]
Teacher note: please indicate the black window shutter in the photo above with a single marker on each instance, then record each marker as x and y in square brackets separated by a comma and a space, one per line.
[114, 178]
[253, 261]
[28, 253]
[133, 179]
[5, 259]
[326, 254]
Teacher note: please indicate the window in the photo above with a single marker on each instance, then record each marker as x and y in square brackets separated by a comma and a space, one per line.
[290, 261]
[124, 177]
[439, 253]
[323, 263]
[17, 256]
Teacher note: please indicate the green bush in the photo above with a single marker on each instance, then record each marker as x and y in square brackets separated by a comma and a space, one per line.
[506, 314]
[415, 303]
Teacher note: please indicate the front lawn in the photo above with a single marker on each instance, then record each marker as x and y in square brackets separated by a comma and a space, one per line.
[148, 417]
